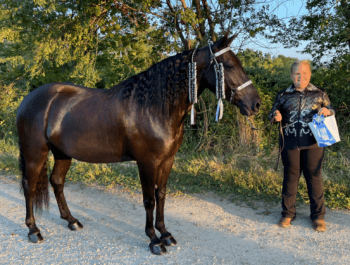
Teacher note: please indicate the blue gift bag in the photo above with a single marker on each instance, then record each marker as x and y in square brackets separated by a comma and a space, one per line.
[325, 130]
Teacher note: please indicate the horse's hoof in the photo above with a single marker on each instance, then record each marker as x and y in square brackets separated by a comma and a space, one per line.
[35, 237]
[157, 247]
[168, 240]
[75, 226]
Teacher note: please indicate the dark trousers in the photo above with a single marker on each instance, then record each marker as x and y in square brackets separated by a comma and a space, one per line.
[308, 161]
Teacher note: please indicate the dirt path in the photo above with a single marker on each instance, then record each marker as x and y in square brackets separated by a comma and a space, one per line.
[208, 231]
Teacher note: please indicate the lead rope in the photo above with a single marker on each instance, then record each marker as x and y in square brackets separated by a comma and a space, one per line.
[280, 149]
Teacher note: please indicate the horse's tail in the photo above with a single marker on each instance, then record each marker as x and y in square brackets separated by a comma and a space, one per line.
[41, 196]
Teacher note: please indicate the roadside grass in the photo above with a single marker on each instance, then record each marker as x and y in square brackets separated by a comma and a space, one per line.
[9, 163]
[243, 174]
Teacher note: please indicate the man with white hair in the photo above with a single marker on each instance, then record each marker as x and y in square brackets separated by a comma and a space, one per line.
[295, 107]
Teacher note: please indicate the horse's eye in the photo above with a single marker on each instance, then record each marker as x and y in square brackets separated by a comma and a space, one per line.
[229, 66]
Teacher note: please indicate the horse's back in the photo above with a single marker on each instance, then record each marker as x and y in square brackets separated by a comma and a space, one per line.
[39, 99]
[33, 111]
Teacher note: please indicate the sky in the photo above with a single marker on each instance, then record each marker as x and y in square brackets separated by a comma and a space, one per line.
[287, 8]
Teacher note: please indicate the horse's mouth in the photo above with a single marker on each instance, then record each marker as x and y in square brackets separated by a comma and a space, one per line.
[249, 111]
[244, 111]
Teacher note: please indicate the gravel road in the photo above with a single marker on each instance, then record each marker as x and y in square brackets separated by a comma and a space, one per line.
[208, 229]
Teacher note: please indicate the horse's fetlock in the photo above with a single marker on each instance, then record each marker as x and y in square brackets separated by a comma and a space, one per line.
[30, 222]
[165, 235]
[150, 232]
[160, 226]
[66, 215]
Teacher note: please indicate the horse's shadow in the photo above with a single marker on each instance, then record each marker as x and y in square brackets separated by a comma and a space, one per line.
[52, 225]
[269, 213]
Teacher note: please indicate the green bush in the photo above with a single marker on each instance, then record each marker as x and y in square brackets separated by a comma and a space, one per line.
[226, 157]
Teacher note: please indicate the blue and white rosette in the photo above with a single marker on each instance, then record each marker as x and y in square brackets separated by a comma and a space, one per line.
[318, 119]
[323, 136]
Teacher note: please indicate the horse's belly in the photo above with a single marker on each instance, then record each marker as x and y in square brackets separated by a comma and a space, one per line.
[102, 159]
[90, 147]
[95, 156]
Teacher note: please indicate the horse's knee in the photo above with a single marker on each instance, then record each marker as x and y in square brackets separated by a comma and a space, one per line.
[149, 204]
[160, 193]
[29, 189]
[56, 180]
[56, 183]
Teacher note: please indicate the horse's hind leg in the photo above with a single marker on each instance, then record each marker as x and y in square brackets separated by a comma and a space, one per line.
[58, 175]
[160, 192]
[35, 188]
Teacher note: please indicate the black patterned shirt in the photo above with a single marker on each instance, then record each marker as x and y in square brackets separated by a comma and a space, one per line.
[297, 109]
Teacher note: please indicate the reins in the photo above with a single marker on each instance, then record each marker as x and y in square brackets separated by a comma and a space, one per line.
[258, 129]
[280, 135]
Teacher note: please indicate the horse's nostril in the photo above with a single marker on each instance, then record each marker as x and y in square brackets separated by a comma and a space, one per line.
[257, 105]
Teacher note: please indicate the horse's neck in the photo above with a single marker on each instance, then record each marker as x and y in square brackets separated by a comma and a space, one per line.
[163, 89]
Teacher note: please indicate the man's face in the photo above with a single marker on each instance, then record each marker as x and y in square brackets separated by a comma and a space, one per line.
[301, 76]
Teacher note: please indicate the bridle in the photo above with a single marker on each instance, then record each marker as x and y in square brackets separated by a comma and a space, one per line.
[234, 90]
[220, 82]
[213, 58]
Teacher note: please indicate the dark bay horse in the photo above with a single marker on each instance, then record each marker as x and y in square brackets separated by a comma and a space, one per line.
[140, 119]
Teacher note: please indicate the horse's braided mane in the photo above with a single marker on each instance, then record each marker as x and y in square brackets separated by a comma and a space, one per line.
[160, 86]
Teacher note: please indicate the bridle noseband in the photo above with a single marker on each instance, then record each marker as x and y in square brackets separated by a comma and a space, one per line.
[233, 91]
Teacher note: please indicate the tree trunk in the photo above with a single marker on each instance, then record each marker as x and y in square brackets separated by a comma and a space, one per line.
[210, 21]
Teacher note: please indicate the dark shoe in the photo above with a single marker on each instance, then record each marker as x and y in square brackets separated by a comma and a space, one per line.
[285, 222]
[319, 225]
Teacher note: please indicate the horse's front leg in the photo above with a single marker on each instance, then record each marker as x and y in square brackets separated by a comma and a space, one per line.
[160, 193]
[147, 176]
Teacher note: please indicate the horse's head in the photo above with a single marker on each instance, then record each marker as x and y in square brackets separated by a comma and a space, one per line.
[238, 88]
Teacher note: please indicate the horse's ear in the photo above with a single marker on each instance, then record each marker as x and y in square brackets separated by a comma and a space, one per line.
[230, 40]
[225, 41]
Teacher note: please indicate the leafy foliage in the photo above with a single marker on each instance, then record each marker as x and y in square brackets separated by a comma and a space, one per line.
[99, 44]
[72, 41]
[326, 27]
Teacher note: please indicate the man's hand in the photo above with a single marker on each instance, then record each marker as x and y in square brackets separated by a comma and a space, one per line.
[278, 116]
[326, 112]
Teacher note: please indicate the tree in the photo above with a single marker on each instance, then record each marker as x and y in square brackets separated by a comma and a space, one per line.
[96, 43]
[326, 27]
[73, 41]
[202, 21]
